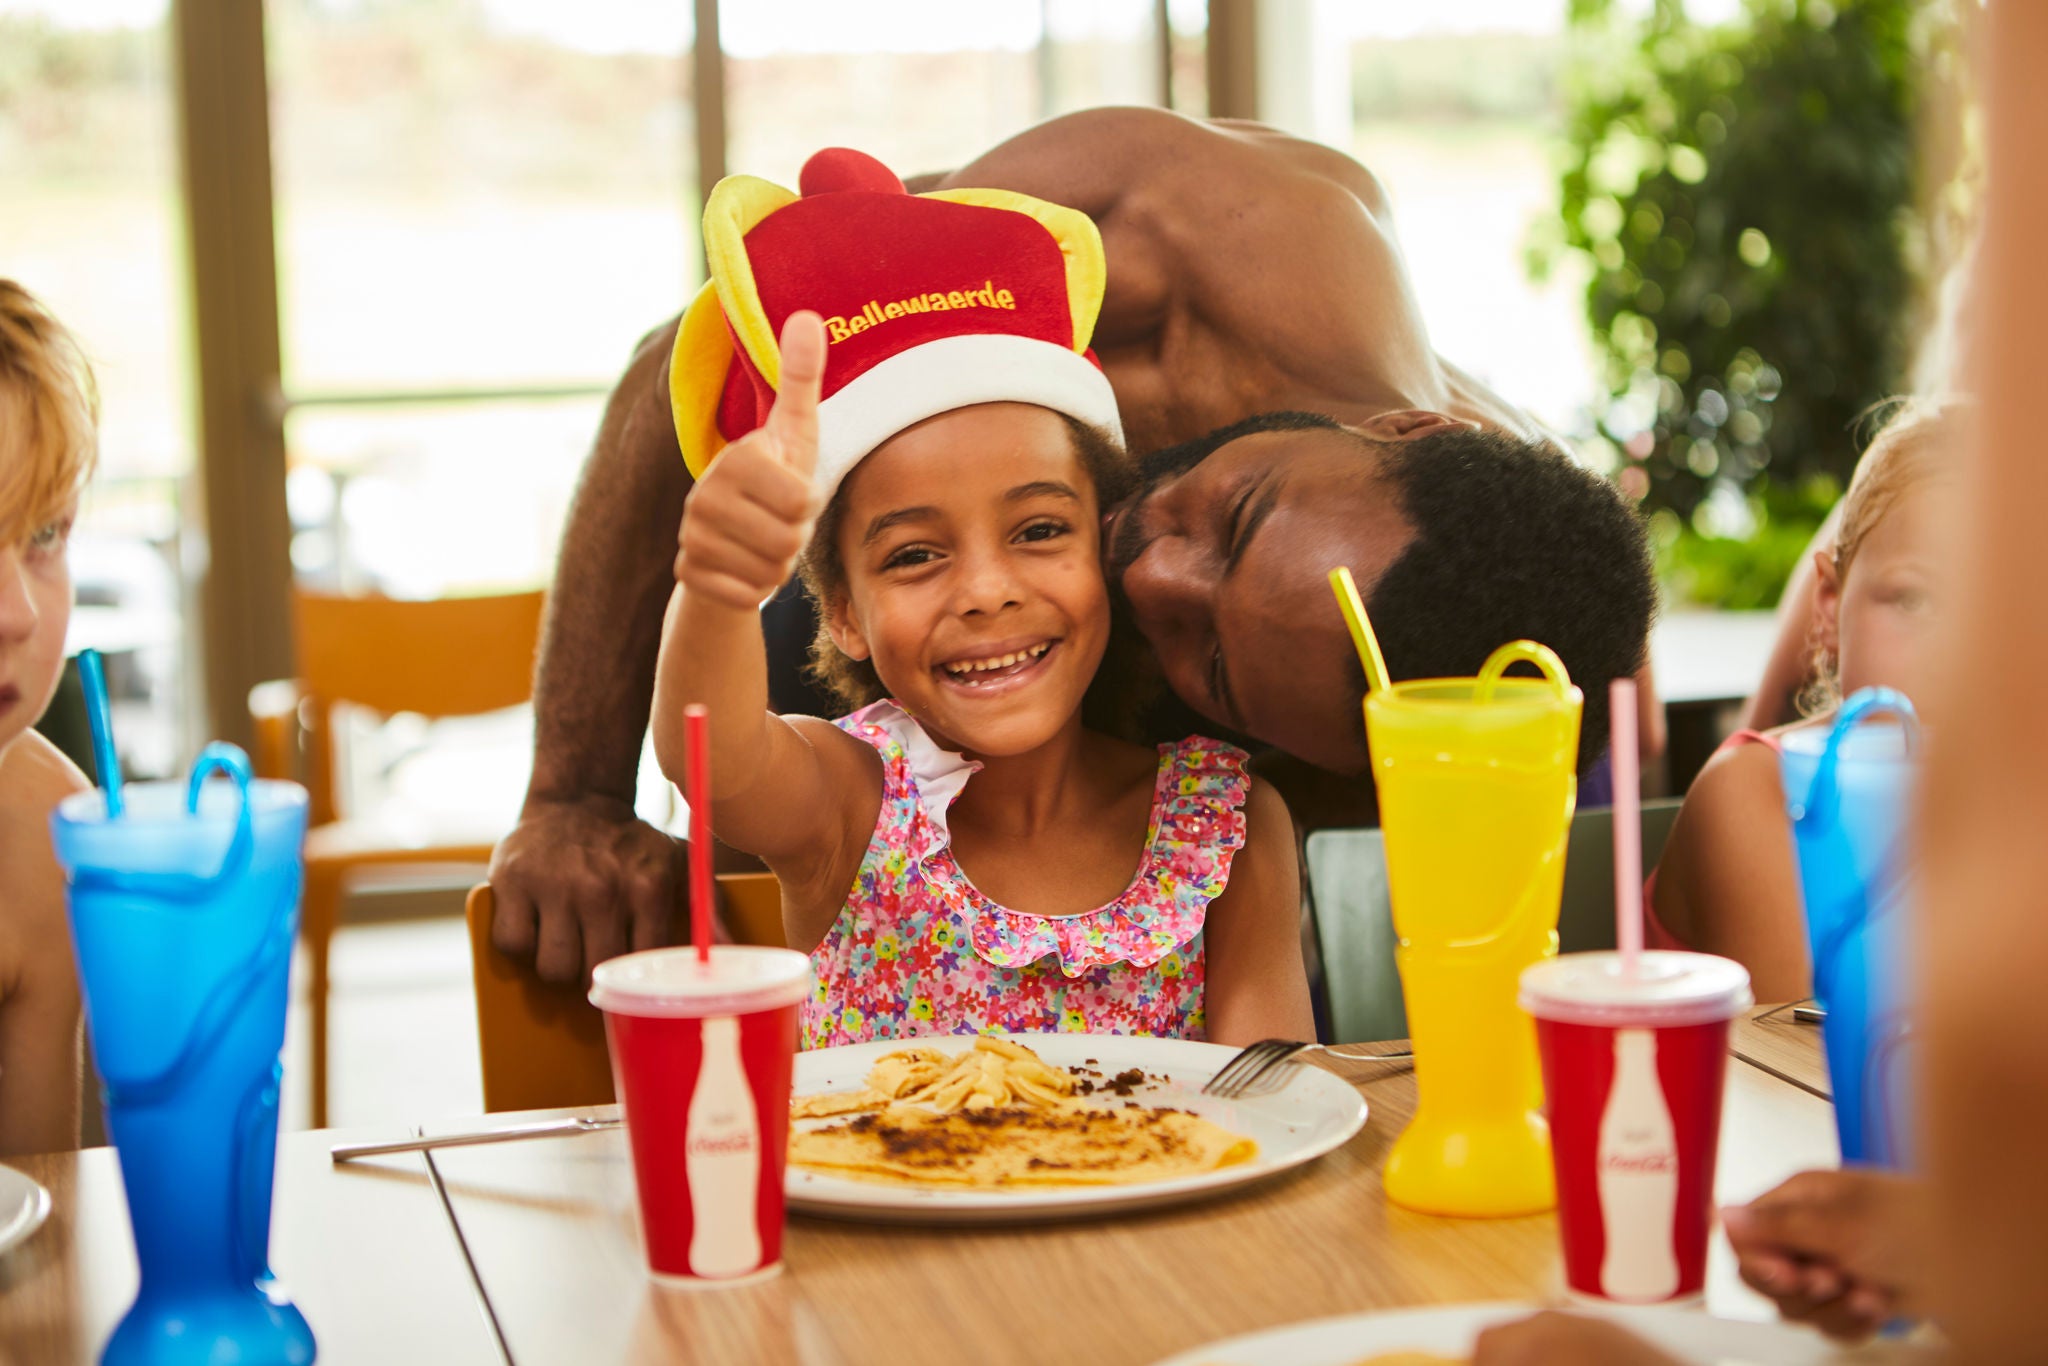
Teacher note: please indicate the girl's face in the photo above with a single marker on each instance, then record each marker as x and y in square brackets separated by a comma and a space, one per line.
[972, 575]
[35, 611]
[1878, 621]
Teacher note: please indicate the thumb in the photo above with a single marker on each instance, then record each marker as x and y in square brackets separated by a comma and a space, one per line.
[793, 421]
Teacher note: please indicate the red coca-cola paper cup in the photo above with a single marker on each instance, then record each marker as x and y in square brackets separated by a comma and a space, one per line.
[1633, 1066]
[701, 1057]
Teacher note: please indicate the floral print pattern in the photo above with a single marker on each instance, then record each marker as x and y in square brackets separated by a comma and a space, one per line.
[917, 949]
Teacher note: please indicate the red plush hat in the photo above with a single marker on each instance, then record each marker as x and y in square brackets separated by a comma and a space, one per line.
[931, 302]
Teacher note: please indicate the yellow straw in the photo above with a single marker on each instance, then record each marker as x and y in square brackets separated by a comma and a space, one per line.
[1353, 607]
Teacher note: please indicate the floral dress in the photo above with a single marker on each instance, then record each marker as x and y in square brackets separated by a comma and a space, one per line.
[917, 949]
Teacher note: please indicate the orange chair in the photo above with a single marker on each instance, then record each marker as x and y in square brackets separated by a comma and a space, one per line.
[447, 657]
[541, 1043]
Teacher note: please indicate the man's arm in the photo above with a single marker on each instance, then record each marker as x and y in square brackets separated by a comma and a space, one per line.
[1195, 211]
[579, 879]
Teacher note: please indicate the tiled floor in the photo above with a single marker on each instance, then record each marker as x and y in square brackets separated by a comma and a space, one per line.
[402, 1028]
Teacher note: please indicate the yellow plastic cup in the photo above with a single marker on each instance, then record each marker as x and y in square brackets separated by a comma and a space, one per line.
[1477, 778]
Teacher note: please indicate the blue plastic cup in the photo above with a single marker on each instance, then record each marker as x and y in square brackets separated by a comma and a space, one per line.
[183, 911]
[1849, 790]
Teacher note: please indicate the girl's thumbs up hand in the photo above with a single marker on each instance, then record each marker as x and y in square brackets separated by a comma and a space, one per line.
[751, 514]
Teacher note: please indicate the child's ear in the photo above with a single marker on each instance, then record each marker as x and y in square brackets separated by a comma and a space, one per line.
[845, 631]
[1827, 605]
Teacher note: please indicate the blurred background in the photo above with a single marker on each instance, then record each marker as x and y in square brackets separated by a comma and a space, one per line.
[356, 275]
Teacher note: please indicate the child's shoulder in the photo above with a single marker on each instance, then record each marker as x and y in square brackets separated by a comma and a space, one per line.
[35, 776]
[1739, 787]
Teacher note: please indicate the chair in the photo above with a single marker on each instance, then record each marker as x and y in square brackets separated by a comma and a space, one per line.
[542, 1044]
[441, 658]
[1347, 877]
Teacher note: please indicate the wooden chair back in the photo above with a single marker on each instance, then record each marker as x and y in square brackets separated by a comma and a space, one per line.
[437, 658]
[542, 1044]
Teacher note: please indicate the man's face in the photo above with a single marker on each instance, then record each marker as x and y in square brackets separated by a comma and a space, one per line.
[1224, 567]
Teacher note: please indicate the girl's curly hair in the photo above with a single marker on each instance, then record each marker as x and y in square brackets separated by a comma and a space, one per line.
[854, 682]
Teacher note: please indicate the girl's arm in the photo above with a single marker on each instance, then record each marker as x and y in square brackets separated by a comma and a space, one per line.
[1728, 882]
[1257, 986]
[797, 795]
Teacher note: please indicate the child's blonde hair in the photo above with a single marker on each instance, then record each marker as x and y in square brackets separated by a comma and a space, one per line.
[1916, 445]
[1917, 442]
[49, 415]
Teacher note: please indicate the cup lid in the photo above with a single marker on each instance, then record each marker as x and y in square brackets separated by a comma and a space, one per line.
[740, 978]
[1668, 989]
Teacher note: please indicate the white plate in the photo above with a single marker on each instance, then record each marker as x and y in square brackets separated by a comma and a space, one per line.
[24, 1204]
[1314, 1113]
[1689, 1334]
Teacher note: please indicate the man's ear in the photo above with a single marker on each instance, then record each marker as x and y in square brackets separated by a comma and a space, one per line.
[1408, 424]
[845, 631]
[1827, 605]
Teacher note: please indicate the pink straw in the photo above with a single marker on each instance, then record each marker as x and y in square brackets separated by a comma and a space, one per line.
[697, 792]
[1628, 824]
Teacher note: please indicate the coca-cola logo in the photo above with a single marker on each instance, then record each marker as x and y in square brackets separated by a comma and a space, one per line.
[721, 1145]
[1641, 1164]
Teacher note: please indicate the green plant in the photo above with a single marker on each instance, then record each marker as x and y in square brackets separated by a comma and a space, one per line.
[1746, 197]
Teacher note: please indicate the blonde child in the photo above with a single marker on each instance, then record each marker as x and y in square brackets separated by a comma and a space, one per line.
[960, 854]
[1728, 882]
[47, 445]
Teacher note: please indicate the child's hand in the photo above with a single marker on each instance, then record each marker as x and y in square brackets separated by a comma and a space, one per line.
[750, 515]
[1842, 1250]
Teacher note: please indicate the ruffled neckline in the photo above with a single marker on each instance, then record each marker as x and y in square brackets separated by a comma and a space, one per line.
[1197, 808]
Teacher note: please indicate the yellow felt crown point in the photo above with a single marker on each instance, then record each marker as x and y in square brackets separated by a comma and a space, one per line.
[737, 204]
[697, 371]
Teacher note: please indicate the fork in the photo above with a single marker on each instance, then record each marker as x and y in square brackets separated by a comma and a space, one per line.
[1260, 1068]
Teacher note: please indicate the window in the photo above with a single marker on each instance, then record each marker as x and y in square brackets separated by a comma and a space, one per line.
[92, 228]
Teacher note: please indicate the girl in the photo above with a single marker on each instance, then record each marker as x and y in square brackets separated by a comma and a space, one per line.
[963, 856]
[1728, 883]
[47, 415]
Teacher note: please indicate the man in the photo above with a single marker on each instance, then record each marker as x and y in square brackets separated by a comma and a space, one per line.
[1249, 274]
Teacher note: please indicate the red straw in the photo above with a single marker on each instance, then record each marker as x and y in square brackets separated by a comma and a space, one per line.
[697, 792]
[1628, 824]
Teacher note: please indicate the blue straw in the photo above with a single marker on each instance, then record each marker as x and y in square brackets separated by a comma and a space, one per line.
[94, 675]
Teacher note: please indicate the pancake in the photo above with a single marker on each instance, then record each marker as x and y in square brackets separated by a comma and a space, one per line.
[1064, 1145]
[999, 1115]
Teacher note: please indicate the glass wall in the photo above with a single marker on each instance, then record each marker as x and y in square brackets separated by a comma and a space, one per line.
[480, 208]
[1458, 112]
[91, 225]
[471, 199]
[925, 85]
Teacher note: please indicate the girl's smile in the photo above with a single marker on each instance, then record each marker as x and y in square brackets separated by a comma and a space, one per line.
[998, 669]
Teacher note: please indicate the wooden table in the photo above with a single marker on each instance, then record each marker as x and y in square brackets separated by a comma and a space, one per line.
[553, 1231]
[371, 1258]
[1787, 1048]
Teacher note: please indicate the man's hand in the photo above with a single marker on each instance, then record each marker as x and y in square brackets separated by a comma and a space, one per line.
[752, 512]
[1840, 1250]
[580, 881]
[1551, 1339]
